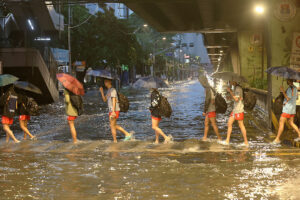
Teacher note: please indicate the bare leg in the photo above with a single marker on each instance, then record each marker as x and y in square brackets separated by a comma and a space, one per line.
[23, 125]
[280, 129]
[230, 122]
[293, 125]
[243, 130]
[73, 131]
[113, 128]
[206, 128]
[9, 133]
[155, 127]
[156, 137]
[119, 128]
[215, 127]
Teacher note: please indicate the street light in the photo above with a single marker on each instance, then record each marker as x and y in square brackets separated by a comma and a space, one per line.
[259, 9]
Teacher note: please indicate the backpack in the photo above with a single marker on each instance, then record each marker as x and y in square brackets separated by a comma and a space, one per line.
[123, 102]
[164, 107]
[220, 102]
[32, 107]
[77, 102]
[12, 104]
[278, 104]
[249, 100]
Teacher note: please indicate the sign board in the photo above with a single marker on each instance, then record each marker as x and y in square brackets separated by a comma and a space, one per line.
[80, 65]
[60, 55]
[295, 54]
[285, 10]
[169, 54]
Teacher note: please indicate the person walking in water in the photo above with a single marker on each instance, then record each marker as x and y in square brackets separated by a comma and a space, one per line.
[9, 103]
[111, 98]
[72, 114]
[288, 110]
[24, 115]
[156, 118]
[209, 109]
[238, 112]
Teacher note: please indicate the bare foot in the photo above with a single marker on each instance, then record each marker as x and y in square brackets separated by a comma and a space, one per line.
[17, 141]
[156, 142]
[33, 138]
[204, 139]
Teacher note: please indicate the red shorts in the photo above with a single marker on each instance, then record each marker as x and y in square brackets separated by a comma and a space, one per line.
[7, 120]
[238, 116]
[24, 117]
[211, 114]
[71, 118]
[285, 115]
[156, 118]
[117, 114]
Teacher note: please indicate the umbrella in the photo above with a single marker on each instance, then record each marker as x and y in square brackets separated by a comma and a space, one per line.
[101, 73]
[7, 79]
[284, 72]
[27, 86]
[150, 82]
[71, 83]
[230, 76]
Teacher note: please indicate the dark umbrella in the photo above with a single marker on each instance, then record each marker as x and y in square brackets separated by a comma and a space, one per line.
[285, 72]
[230, 76]
[71, 83]
[101, 73]
[27, 86]
[7, 79]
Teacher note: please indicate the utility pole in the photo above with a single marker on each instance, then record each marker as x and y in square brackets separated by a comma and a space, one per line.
[69, 40]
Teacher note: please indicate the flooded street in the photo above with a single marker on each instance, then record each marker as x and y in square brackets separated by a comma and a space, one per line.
[53, 168]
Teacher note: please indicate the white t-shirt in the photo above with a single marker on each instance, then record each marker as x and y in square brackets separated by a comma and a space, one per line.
[298, 100]
[238, 106]
[112, 93]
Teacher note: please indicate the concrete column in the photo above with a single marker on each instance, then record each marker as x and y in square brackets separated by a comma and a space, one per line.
[1, 68]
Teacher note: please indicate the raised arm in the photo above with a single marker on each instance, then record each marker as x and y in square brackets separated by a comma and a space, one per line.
[102, 94]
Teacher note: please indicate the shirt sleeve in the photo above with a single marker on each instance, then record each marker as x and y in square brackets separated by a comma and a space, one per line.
[113, 93]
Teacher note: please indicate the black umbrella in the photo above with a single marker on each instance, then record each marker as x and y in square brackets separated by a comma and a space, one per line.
[27, 86]
[285, 72]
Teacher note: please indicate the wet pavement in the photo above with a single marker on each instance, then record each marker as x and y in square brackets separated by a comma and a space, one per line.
[53, 168]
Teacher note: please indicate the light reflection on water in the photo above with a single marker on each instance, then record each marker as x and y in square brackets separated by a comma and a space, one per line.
[53, 168]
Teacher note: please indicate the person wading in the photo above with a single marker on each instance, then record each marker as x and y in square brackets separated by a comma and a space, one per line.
[156, 118]
[209, 109]
[9, 102]
[237, 114]
[288, 110]
[111, 98]
[24, 115]
[72, 114]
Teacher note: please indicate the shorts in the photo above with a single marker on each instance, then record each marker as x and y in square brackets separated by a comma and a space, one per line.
[285, 115]
[7, 120]
[117, 114]
[156, 118]
[72, 118]
[211, 114]
[237, 116]
[24, 117]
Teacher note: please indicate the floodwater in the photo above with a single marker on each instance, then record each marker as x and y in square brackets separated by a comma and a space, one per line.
[53, 168]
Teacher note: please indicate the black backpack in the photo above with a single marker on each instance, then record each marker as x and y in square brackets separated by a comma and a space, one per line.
[12, 104]
[164, 107]
[32, 107]
[278, 104]
[123, 102]
[221, 104]
[77, 102]
[249, 99]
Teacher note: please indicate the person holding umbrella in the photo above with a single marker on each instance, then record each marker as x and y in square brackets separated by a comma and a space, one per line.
[72, 88]
[25, 104]
[209, 108]
[9, 103]
[237, 113]
[111, 98]
[288, 110]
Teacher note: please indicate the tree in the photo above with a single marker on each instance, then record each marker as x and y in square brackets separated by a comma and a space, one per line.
[102, 37]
